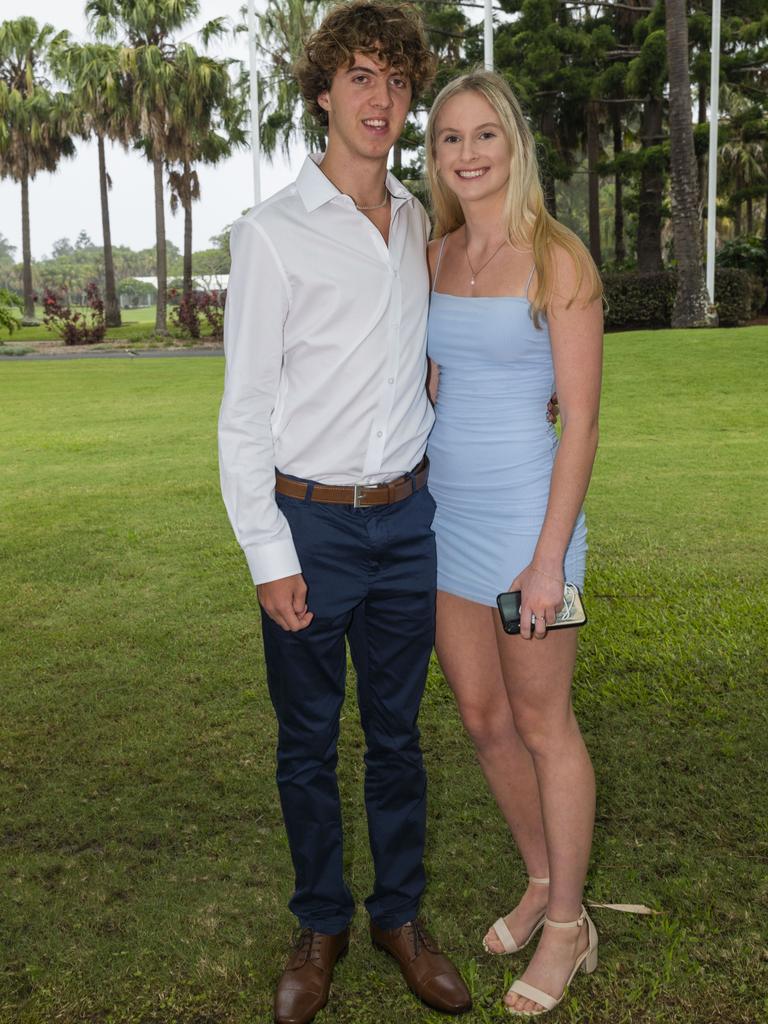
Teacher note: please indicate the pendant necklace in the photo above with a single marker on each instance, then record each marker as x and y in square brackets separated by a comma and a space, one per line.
[377, 206]
[469, 262]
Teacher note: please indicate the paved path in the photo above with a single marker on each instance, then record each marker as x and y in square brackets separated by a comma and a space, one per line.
[152, 353]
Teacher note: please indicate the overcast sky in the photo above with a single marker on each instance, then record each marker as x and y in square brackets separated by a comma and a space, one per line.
[64, 203]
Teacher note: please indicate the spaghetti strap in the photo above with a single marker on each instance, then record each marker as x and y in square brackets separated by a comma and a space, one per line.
[528, 282]
[439, 257]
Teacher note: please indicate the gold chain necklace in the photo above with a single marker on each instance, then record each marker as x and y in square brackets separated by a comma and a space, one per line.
[377, 206]
[469, 262]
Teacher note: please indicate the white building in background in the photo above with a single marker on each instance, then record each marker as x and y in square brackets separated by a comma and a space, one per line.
[200, 282]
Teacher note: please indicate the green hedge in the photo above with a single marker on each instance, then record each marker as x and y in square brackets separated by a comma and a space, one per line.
[759, 287]
[733, 295]
[637, 299]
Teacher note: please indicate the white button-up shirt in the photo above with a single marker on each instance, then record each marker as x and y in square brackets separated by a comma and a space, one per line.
[325, 344]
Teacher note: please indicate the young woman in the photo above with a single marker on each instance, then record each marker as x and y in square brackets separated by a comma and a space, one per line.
[516, 308]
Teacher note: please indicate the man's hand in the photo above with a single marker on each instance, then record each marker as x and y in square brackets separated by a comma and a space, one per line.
[285, 602]
[553, 409]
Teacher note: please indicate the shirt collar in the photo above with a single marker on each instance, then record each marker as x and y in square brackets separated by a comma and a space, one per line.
[315, 189]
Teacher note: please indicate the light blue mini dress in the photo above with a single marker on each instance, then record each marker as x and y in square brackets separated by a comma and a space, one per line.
[491, 449]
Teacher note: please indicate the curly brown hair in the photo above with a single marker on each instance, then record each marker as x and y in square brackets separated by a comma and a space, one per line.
[393, 32]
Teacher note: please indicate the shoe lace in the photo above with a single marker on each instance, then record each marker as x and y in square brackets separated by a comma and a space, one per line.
[420, 937]
[307, 946]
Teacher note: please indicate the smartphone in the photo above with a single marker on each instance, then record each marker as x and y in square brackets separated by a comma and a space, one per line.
[509, 610]
[571, 614]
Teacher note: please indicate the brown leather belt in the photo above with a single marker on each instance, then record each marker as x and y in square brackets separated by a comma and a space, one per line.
[359, 495]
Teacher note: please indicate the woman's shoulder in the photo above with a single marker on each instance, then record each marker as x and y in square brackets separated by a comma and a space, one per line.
[574, 276]
[436, 245]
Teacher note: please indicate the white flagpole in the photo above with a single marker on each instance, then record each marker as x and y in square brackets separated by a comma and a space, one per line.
[488, 35]
[714, 115]
[254, 77]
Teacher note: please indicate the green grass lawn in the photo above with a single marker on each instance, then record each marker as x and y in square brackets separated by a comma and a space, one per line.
[144, 872]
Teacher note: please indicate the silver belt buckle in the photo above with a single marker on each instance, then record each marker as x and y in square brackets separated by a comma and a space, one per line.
[358, 498]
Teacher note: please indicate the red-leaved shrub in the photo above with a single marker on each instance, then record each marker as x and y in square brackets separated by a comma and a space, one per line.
[199, 306]
[73, 325]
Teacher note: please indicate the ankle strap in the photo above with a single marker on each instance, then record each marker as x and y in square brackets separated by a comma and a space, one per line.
[568, 924]
[538, 881]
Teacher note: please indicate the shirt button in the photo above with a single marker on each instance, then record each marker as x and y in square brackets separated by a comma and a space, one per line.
[390, 380]
[379, 433]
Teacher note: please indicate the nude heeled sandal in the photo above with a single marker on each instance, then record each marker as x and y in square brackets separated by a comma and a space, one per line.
[504, 935]
[586, 961]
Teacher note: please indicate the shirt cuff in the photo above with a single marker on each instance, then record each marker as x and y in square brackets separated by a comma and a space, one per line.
[269, 562]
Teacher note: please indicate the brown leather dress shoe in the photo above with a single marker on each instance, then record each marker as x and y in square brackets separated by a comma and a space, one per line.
[306, 981]
[428, 973]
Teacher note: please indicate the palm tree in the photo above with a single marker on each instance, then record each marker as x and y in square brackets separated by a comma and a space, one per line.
[205, 126]
[691, 302]
[100, 94]
[34, 122]
[283, 27]
[146, 29]
[743, 155]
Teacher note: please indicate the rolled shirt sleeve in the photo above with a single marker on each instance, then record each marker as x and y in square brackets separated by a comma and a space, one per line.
[258, 299]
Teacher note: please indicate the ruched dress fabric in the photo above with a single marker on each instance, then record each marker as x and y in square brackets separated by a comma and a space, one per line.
[491, 449]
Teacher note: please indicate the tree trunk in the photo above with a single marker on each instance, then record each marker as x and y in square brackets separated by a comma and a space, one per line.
[111, 305]
[750, 217]
[619, 248]
[550, 195]
[547, 177]
[651, 189]
[737, 209]
[701, 159]
[593, 180]
[397, 160]
[187, 203]
[26, 248]
[161, 326]
[691, 300]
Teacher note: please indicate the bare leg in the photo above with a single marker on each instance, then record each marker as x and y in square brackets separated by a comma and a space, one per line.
[468, 653]
[538, 676]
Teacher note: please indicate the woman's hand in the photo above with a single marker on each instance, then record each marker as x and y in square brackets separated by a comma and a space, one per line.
[541, 596]
[553, 409]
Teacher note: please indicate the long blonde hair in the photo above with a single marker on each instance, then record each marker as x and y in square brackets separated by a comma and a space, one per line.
[527, 218]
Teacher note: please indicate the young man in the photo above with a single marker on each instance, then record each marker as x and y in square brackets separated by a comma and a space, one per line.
[325, 380]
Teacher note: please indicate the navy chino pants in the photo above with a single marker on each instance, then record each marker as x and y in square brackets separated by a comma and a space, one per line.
[371, 576]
